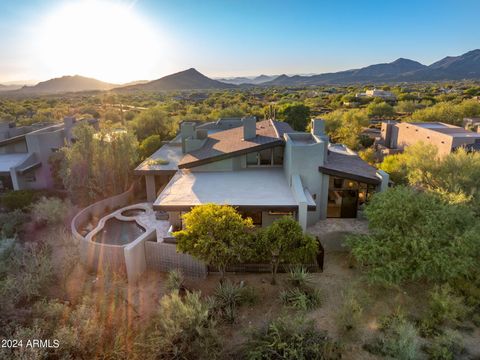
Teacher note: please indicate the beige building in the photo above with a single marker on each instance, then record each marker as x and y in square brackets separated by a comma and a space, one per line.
[395, 136]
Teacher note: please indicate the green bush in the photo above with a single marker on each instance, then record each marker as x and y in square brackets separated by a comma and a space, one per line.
[181, 329]
[175, 280]
[301, 299]
[299, 277]
[290, 339]
[19, 199]
[350, 313]
[12, 222]
[399, 340]
[228, 296]
[50, 211]
[445, 308]
[446, 346]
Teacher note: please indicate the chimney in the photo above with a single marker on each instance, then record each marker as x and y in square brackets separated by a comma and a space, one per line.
[187, 130]
[249, 127]
[318, 127]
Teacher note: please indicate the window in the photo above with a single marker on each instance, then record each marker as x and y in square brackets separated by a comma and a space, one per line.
[266, 157]
[30, 177]
[252, 159]
[256, 216]
[278, 155]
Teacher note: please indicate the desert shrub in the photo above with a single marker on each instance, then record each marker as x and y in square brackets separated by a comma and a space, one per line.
[49, 211]
[19, 199]
[181, 329]
[290, 339]
[228, 296]
[299, 276]
[445, 308]
[301, 298]
[12, 222]
[446, 346]
[399, 340]
[350, 313]
[175, 280]
[470, 290]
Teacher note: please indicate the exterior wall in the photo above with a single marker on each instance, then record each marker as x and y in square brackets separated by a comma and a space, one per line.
[304, 160]
[409, 134]
[164, 257]
[96, 255]
[135, 259]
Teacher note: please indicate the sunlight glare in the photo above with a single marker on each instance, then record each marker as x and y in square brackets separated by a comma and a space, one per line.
[102, 39]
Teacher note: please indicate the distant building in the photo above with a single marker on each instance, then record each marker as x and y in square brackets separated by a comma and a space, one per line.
[376, 93]
[25, 151]
[395, 136]
[472, 124]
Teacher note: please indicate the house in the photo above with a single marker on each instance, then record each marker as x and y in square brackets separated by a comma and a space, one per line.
[472, 124]
[395, 136]
[25, 153]
[376, 93]
[264, 169]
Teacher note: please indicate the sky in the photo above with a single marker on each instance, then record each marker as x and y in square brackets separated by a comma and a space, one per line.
[126, 40]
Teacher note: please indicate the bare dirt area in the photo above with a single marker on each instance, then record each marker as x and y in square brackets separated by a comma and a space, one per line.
[338, 276]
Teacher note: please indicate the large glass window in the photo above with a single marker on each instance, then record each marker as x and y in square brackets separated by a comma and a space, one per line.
[346, 196]
[266, 157]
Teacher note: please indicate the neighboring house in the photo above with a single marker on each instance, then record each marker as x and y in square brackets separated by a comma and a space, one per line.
[24, 154]
[395, 136]
[472, 124]
[264, 169]
[382, 94]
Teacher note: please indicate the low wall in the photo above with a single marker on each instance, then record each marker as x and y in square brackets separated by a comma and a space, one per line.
[135, 258]
[96, 255]
[164, 257]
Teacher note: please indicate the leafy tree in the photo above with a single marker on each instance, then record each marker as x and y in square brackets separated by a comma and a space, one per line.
[346, 126]
[284, 242]
[149, 146]
[98, 164]
[416, 235]
[154, 121]
[380, 110]
[297, 115]
[215, 234]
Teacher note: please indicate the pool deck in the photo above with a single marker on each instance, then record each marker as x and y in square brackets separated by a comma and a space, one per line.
[147, 220]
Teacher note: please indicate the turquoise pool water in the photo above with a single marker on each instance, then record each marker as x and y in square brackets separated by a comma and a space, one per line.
[117, 232]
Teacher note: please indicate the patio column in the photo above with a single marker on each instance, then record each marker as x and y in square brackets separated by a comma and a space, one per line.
[150, 185]
[384, 177]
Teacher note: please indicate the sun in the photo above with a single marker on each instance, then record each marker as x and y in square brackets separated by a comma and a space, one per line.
[103, 39]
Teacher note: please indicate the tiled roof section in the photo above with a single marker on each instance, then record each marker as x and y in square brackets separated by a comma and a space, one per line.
[350, 167]
[227, 143]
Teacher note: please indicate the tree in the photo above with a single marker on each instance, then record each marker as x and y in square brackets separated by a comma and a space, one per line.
[154, 121]
[346, 127]
[149, 146]
[284, 242]
[296, 115]
[380, 110]
[98, 164]
[215, 234]
[416, 236]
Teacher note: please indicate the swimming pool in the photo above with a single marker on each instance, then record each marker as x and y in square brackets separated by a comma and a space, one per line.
[118, 232]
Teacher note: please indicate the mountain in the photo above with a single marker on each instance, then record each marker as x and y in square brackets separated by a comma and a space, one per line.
[189, 79]
[466, 66]
[373, 73]
[66, 84]
[255, 80]
[9, 87]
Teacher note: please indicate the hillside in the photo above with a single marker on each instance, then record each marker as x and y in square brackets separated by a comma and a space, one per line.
[66, 84]
[466, 66]
[189, 79]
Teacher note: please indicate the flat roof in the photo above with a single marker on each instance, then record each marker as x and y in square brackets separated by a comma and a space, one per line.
[447, 129]
[255, 188]
[8, 161]
[171, 152]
